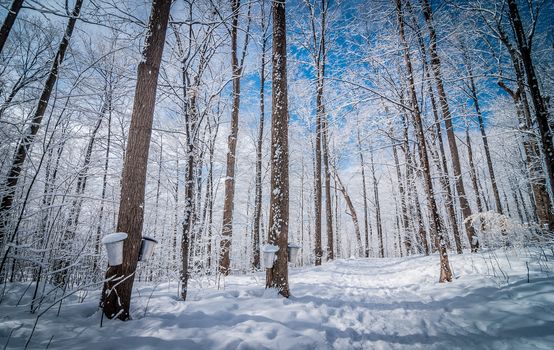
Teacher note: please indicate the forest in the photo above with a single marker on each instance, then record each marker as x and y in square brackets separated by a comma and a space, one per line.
[272, 174]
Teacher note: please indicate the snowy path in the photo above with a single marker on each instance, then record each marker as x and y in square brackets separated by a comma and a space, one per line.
[347, 304]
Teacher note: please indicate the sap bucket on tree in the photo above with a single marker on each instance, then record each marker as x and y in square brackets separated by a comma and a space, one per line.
[269, 251]
[292, 250]
[147, 246]
[114, 247]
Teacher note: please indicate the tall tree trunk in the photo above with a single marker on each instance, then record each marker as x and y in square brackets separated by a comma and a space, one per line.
[229, 198]
[440, 159]
[541, 111]
[259, 146]
[435, 223]
[116, 295]
[29, 136]
[9, 21]
[277, 276]
[436, 65]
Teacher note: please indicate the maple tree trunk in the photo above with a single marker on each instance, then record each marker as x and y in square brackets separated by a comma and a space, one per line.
[229, 199]
[277, 276]
[116, 295]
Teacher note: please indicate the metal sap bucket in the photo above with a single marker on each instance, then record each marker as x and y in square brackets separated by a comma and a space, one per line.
[268, 257]
[114, 247]
[147, 246]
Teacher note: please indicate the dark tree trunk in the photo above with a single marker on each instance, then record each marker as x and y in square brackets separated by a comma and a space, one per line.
[116, 295]
[541, 112]
[229, 198]
[277, 277]
[9, 21]
[459, 183]
[435, 223]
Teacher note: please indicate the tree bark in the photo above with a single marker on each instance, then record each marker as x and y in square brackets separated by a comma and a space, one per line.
[116, 295]
[277, 276]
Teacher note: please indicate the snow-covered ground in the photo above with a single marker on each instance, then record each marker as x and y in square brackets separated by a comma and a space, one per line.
[346, 304]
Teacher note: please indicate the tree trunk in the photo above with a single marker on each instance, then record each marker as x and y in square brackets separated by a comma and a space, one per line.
[9, 21]
[436, 228]
[228, 204]
[29, 136]
[116, 295]
[277, 276]
[440, 159]
[541, 111]
[436, 65]
[259, 146]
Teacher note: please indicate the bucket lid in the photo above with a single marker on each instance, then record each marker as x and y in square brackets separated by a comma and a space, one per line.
[270, 248]
[114, 237]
